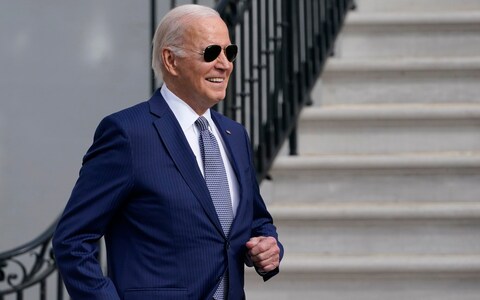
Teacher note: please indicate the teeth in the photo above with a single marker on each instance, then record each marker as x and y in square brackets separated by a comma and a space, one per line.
[215, 79]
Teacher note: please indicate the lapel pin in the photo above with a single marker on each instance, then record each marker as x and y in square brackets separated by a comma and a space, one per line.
[228, 131]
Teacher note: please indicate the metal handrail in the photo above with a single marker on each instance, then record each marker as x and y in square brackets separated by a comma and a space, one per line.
[277, 66]
[19, 272]
[283, 49]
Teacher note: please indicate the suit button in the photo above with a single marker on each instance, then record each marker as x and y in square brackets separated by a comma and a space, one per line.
[227, 245]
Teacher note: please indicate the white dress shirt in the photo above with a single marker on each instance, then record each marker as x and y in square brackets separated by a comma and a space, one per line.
[186, 117]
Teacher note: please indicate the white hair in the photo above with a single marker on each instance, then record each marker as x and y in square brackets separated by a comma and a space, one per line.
[170, 31]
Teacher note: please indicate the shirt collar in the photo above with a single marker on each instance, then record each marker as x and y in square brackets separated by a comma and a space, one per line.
[185, 115]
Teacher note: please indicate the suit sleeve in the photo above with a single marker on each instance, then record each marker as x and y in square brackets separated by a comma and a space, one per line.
[104, 181]
[262, 220]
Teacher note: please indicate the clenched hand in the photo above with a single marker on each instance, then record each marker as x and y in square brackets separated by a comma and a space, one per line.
[264, 253]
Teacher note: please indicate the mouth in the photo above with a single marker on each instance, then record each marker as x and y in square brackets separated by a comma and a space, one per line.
[216, 79]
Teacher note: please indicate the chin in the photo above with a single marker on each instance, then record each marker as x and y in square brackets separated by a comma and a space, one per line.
[219, 97]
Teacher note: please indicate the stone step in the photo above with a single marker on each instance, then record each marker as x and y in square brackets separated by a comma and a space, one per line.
[383, 201]
[394, 81]
[432, 34]
[371, 129]
[373, 264]
[416, 5]
[375, 228]
[388, 178]
[390, 277]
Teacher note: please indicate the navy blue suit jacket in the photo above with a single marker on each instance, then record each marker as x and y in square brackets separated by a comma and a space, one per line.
[141, 188]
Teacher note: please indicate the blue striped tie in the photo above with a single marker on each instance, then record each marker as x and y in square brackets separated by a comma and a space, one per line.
[217, 183]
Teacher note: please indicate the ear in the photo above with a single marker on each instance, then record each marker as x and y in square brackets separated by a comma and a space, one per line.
[169, 61]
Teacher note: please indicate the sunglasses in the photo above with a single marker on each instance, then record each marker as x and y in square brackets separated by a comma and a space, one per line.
[213, 51]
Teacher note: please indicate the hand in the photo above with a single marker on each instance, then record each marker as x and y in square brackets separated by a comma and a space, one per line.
[264, 253]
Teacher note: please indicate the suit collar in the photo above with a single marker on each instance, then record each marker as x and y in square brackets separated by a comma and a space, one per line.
[157, 104]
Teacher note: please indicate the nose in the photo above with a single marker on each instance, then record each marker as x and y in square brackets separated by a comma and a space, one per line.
[222, 61]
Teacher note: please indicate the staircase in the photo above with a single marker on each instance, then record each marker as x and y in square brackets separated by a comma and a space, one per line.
[383, 201]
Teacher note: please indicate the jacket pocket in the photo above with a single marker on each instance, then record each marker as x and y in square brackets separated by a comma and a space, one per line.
[156, 293]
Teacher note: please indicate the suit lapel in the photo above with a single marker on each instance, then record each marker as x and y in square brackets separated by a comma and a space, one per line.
[177, 146]
[217, 118]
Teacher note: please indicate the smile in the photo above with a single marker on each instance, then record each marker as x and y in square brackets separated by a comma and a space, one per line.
[215, 79]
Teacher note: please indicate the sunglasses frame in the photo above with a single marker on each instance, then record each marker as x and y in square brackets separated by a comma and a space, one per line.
[217, 50]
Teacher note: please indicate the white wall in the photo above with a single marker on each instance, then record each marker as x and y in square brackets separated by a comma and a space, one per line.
[63, 66]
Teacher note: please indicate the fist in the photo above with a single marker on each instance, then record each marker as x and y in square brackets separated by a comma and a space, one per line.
[264, 253]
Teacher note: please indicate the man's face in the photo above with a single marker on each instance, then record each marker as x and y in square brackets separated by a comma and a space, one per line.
[203, 84]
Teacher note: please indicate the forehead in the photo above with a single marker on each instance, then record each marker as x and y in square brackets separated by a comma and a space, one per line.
[206, 31]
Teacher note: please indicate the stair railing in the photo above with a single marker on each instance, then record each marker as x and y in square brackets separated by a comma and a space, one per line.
[284, 45]
[29, 265]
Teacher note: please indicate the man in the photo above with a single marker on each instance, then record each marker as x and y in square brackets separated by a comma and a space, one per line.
[146, 184]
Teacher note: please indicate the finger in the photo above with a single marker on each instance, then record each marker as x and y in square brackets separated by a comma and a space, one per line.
[272, 252]
[253, 242]
[268, 268]
[263, 255]
[268, 265]
[264, 245]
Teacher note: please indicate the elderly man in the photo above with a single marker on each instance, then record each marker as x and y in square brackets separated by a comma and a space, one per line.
[170, 184]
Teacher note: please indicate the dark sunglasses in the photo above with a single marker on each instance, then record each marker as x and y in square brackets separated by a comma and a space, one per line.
[213, 51]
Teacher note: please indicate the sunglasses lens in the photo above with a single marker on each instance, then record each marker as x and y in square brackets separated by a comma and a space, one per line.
[231, 52]
[211, 52]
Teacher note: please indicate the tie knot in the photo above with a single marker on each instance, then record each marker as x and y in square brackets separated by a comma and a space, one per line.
[202, 123]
